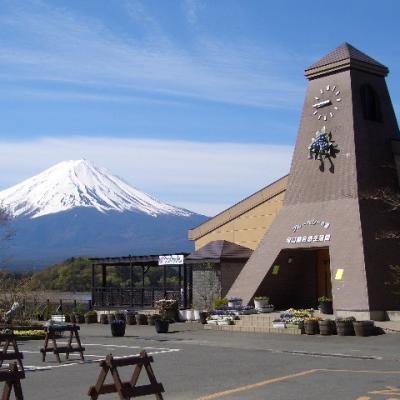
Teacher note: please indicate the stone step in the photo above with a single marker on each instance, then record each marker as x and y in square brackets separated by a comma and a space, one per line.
[235, 328]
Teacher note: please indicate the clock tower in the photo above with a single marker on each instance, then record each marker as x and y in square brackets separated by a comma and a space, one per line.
[333, 236]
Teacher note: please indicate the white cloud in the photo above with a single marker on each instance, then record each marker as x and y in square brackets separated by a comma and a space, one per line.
[58, 45]
[203, 177]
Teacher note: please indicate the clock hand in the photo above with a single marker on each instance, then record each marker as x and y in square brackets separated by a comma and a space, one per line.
[322, 104]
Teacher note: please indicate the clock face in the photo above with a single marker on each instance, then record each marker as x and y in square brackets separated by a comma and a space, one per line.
[326, 102]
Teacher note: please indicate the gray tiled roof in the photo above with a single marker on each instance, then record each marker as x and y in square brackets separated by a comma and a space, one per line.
[343, 52]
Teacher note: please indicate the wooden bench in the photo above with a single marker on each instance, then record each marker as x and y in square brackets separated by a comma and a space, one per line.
[9, 339]
[12, 378]
[51, 334]
[126, 390]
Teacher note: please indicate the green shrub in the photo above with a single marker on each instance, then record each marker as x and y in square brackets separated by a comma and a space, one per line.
[217, 303]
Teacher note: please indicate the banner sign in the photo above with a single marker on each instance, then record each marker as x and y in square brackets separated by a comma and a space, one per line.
[173, 259]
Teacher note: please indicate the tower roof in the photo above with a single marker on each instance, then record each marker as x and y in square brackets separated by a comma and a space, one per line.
[345, 57]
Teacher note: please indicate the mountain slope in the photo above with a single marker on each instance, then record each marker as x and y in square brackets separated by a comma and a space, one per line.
[79, 183]
[77, 209]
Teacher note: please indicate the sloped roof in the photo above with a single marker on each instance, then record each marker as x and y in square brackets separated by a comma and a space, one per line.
[346, 56]
[219, 250]
[240, 208]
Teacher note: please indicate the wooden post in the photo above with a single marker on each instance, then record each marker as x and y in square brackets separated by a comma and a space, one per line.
[131, 283]
[185, 296]
[165, 281]
[93, 283]
[143, 267]
[190, 278]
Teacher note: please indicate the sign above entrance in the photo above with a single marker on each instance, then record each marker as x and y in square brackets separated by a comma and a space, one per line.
[173, 259]
[311, 222]
[308, 239]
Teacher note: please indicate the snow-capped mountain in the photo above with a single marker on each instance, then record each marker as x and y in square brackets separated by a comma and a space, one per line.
[79, 183]
[78, 209]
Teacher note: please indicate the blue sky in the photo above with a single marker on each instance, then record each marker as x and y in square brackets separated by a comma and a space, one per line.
[183, 99]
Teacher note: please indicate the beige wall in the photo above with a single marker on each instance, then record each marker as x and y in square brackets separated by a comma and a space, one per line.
[248, 228]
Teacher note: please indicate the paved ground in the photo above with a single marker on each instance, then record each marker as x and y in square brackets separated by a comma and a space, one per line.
[194, 364]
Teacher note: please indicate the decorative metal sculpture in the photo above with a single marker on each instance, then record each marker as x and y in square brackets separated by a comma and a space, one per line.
[322, 146]
[10, 314]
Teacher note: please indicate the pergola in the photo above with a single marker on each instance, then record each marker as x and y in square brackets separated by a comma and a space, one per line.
[137, 294]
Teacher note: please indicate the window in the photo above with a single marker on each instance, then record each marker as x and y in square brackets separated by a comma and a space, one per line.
[370, 104]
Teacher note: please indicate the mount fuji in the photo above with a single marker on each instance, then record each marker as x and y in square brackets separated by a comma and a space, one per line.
[76, 208]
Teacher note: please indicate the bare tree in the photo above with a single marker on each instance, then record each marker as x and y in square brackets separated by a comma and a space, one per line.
[6, 233]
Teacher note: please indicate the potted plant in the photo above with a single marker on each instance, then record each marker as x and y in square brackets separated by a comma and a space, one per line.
[161, 325]
[325, 305]
[220, 303]
[261, 304]
[91, 317]
[118, 327]
[168, 308]
[344, 326]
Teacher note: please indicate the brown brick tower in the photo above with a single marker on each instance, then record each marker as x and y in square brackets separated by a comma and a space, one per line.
[333, 236]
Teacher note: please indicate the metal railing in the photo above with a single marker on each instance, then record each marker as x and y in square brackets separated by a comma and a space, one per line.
[136, 297]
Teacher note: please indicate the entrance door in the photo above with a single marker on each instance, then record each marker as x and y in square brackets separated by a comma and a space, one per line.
[324, 285]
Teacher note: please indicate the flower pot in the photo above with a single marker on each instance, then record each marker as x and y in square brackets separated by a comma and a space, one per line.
[141, 319]
[131, 319]
[345, 328]
[118, 328]
[327, 327]
[364, 328]
[326, 307]
[311, 327]
[203, 317]
[161, 325]
[103, 318]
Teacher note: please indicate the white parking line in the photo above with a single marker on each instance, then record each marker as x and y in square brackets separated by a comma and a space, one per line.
[98, 358]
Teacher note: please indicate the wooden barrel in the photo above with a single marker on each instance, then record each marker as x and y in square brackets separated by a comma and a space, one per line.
[326, 327]
[345, 328]
[311, 327]
[364, 328]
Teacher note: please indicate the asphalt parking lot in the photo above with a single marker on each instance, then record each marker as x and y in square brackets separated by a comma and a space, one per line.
[193, 363]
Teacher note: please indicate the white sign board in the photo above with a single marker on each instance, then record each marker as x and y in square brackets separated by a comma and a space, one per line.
[173, 259]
